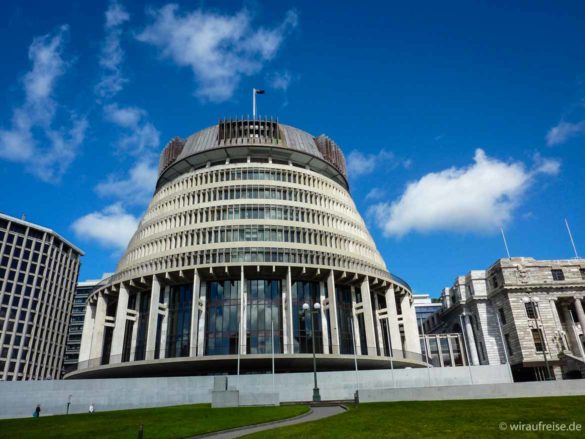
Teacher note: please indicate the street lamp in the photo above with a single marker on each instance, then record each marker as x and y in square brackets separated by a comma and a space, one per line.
[535, 301]
[316, 309]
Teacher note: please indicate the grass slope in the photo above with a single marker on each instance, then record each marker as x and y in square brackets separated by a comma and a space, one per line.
[442, 419]
[160, 423]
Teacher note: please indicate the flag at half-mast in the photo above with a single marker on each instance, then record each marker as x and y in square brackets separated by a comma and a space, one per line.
[259, 92]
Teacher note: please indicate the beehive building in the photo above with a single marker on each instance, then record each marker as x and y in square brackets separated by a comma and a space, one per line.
[250, 220]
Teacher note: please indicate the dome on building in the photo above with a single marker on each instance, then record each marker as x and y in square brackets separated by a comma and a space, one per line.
[250, 220]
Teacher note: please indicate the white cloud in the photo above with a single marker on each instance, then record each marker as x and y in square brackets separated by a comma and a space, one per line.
[141, 137]
[479, 198]
[126, 117]
[563, 132]
[137, 188]
[48, 157]
[112, 55]
[280, 80]
[112, 227]
[359, 163]
[219, 49]
[375, 194]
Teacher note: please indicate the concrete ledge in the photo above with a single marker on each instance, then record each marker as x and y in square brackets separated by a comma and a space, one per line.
[481, 391]
[225, 398]
[252, 399]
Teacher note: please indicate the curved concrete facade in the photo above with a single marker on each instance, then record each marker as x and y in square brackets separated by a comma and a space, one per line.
[250, 220]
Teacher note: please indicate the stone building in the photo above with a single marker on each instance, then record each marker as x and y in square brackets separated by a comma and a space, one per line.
[38, 273]
[522, 311]
[251, 222]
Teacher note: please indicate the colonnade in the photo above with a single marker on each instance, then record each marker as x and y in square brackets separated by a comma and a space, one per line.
[388, 316]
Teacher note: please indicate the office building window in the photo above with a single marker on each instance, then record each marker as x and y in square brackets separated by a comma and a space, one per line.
[530, 310]
[538, 340]
[558, 274]
[502, 316]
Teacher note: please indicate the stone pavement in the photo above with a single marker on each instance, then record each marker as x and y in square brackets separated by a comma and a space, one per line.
[316, 413]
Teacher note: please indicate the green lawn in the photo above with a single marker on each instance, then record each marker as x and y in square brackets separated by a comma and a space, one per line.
[159, 423]
[443, 419]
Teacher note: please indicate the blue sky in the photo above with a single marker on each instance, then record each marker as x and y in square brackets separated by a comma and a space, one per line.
[455, 118]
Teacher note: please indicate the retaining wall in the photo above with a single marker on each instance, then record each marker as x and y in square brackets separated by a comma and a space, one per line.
[19, 398]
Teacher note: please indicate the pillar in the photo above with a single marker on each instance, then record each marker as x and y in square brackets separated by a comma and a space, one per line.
[575, 344]
[368, 316]
[97, 340]
[242, 334]
[324, 325]
[377, 325]
[287, 322]
[393, 322]
[411, 338]
[194, 315]
[333, 313]
[135, 328]
[88, 328]
[152, 318]
[580, 313]
[120, 327]
[202, 317]
[354, 320]
[472, 347]
[165, 323]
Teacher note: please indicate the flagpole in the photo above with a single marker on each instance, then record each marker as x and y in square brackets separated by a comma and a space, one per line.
[254, 103]
[571, 238]
[505, 242]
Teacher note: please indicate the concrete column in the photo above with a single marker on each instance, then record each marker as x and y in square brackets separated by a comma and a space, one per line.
[411, 339]
[580, 313]
[97, 341]
[368, 316]
[356, 326]
[88, 328]
[152, 318]
[323, 290]
[135, 328]
[120, 328]
[575, 344]
[242, 335]
[287, 322]
[333, 313]
[194, 315]
[393, 322]
[201, 328]
[471, 341]
[377, 325]
[165, 323]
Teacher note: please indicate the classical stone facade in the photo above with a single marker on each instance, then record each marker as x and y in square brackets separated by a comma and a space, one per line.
[522, 311]
[250, 220]
[38, 273]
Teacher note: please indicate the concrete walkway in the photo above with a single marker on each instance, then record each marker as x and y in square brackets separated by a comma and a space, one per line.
[316, 413]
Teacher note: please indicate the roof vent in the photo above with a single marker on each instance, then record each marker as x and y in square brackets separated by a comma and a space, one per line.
[245, 131]
[170, 154]
[332, 153]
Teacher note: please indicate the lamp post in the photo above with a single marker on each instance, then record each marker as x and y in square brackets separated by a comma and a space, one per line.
[316, 309]
[535, 301]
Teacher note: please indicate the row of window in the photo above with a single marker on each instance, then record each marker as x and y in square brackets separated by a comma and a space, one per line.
[235, 172]
[252, 211]
[252, 233]
[276, 193]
